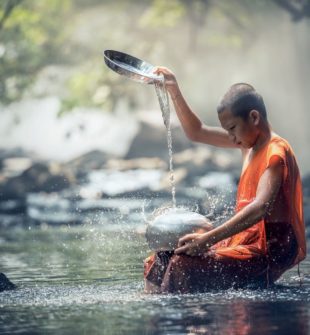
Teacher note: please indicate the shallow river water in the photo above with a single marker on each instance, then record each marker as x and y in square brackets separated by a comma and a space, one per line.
[88, 280]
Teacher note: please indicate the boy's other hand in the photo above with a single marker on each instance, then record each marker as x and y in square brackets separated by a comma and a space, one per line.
[192, 245]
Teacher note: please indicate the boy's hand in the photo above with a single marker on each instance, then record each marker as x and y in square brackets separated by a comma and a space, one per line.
[170, 79]
[192, 245]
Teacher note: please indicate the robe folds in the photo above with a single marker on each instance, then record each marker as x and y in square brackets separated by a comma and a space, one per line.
[258, 255]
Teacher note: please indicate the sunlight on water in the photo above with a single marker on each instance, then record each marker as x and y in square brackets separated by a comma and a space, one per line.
[108, 291]
[70, 277]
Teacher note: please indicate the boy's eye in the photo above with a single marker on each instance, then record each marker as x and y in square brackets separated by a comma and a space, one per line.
[233, 127]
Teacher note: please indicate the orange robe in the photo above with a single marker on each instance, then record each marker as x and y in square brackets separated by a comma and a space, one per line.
[252, 241]
[267, 249]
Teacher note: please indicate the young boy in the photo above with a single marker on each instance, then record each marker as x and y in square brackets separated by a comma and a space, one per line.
[266, 236]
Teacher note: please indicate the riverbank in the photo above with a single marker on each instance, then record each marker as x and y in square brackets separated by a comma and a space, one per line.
[83, 189]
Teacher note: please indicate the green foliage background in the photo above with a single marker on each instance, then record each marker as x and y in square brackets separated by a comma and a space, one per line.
[36, 34]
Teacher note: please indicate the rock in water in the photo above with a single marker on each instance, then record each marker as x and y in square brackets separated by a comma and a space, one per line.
[5, 283]
[164, 232]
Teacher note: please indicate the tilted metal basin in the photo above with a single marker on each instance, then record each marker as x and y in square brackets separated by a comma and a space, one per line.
[131, 67]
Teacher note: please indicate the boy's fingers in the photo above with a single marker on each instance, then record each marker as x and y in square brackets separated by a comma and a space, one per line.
[158, 69]
[181, 241]
[184, 239]
[188, 250]
[181, 250]
[161, 69]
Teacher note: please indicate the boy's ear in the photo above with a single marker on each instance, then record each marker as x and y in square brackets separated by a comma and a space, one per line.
[254, 117]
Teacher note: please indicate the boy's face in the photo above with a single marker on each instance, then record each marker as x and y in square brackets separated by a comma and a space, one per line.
[241, 132]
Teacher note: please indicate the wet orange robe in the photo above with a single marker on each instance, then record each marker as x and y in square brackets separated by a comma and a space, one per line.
[244, 256]
[252, 241]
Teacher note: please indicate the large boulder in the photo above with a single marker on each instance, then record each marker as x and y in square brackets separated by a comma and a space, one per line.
[202, 159]
[92, 160]
[195, 160]
[136, 163]
[41, 176]
[15, 152]
[151, 141]
[15, 156]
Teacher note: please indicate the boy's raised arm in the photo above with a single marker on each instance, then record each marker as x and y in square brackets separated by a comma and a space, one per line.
[193, 127]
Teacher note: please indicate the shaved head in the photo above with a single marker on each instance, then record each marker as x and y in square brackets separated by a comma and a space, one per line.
[240, 99]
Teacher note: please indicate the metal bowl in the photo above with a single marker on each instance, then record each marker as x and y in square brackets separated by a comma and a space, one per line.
[131, 67]
[164, 232]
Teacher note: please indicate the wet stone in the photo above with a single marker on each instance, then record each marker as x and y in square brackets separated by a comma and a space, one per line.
[41, 176]
[5, 283]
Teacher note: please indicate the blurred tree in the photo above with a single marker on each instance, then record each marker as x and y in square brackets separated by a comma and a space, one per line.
[34, 34]
[95, 85]
[298, 9]
[7, 8]
[161, 13]
[30, 38]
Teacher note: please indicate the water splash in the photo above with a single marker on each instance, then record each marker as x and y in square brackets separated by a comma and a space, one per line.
[163, 99]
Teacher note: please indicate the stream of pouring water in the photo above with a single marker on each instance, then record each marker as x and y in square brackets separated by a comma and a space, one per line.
[165, 110]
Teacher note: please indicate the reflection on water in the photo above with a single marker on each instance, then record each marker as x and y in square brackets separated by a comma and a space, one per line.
[88, 279]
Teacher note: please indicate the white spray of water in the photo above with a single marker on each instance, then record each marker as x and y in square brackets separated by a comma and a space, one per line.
[165, 109]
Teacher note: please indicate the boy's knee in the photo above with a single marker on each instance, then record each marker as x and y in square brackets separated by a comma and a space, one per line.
[179, 261]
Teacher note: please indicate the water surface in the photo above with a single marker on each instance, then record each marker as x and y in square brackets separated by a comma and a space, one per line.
[88, 280]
